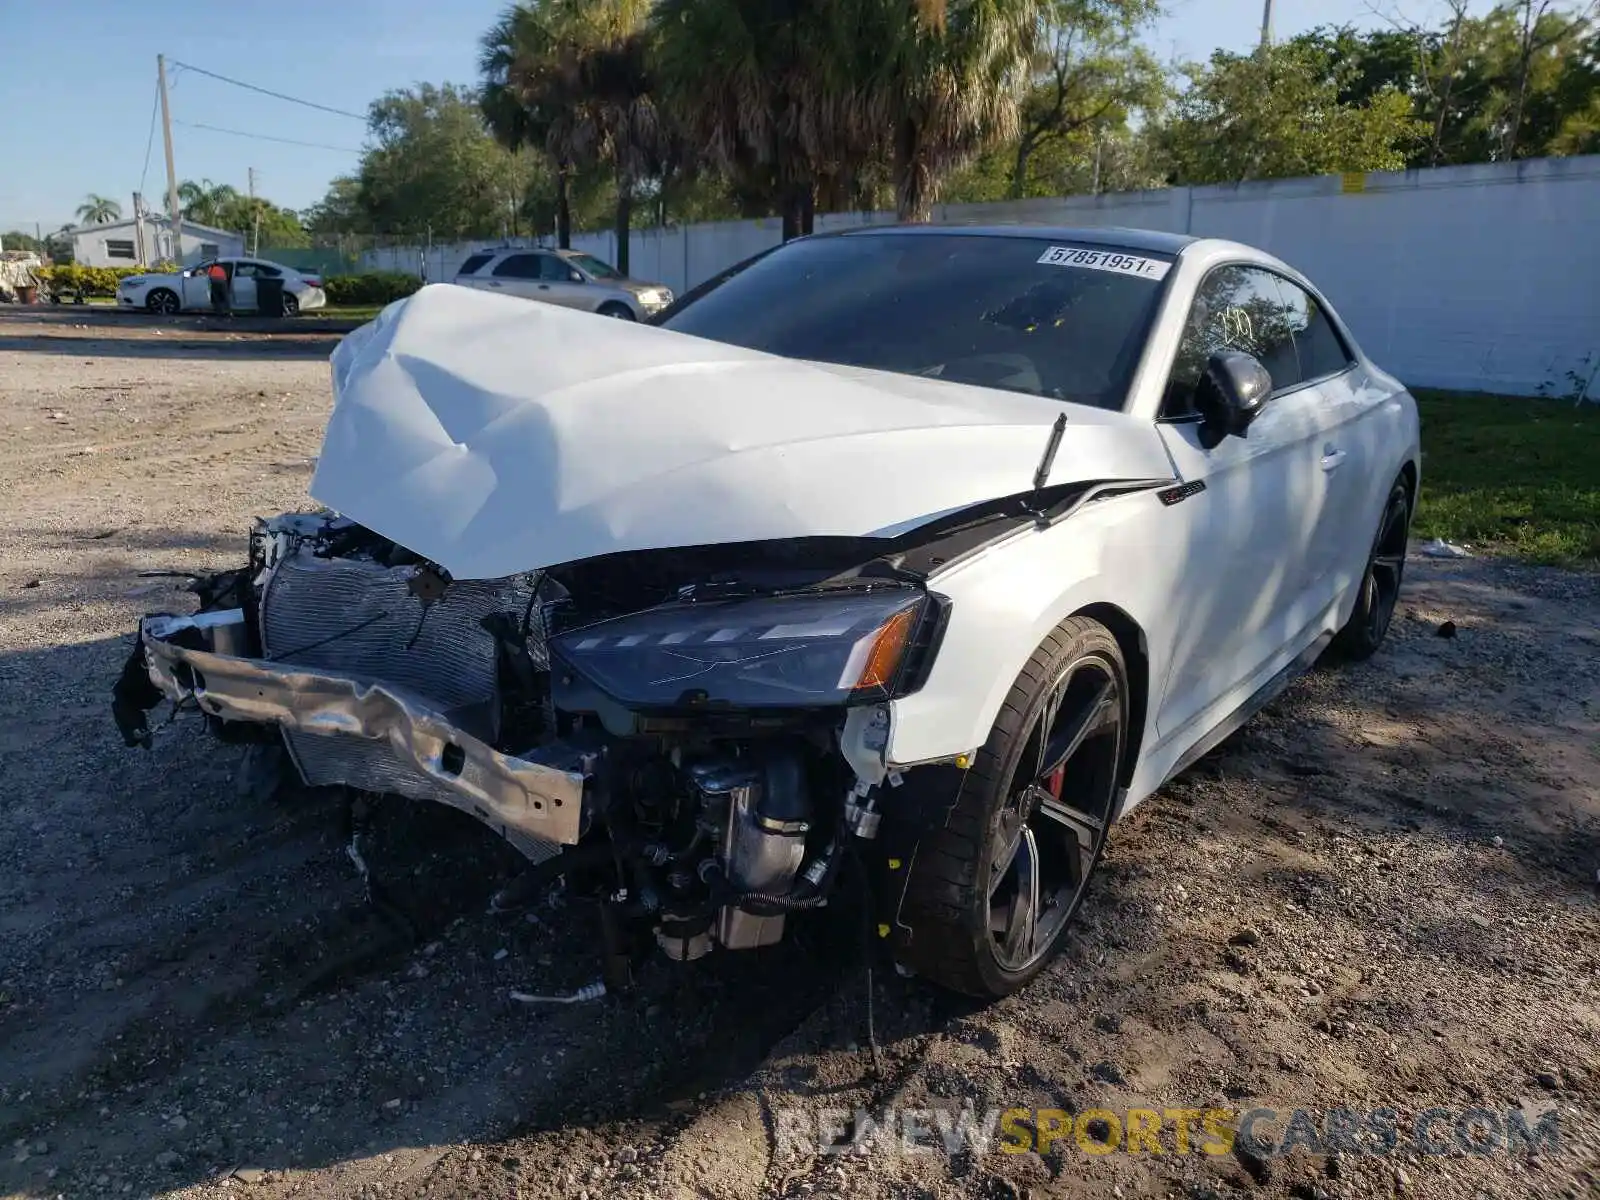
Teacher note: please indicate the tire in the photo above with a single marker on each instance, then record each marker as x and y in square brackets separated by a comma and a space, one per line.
[162, 300]
[1009, 825]
[617, 309]
[291, 306]
[1369, 622]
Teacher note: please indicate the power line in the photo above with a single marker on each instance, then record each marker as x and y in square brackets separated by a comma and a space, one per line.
[150, 140]
[267, 137]
[338, 112]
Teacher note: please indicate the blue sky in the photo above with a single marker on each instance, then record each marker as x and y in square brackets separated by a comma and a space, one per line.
[76, 95]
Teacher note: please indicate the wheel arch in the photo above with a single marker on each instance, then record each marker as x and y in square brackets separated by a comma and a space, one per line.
[1135, 649]
[1408, 473]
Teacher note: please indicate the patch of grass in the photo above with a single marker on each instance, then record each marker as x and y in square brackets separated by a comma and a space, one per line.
[346, 312]
[1511, 473]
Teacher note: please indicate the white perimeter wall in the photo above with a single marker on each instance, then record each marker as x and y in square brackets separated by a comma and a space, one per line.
[1483, 277]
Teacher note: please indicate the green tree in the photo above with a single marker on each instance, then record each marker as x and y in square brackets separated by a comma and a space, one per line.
[266, 224]
[805, 103]
[339, 210]
[1521, 80]
[207, 203]
[1278, 113]
[223, 206]
[529, 75]
[1577, 93]
[98, 210]
[15, 239]
[770, 91]
[1090, 78]
[435, 168]
[616, 125]
[949, 88]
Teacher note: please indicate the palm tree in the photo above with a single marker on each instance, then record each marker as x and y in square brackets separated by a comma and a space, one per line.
[950, 84]
[772, 92]
[616, 122]
[98, 210]
[573, 75]
[207, 203]
[522, 96]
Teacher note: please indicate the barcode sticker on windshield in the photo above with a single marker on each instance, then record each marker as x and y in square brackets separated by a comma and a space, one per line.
[1106, 260]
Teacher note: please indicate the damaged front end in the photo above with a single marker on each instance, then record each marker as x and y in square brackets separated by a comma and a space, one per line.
[706, 724]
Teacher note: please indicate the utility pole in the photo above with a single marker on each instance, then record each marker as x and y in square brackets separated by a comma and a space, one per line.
[255, 217]
[138, 228]
[1266, 25]
[174, 214]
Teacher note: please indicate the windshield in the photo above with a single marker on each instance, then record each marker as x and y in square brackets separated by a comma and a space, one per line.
[1020, 313]
[591, 264]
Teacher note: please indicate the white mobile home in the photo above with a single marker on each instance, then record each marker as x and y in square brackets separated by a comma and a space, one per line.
[143, 242]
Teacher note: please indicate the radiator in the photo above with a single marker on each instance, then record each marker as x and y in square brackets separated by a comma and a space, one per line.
[358, 617]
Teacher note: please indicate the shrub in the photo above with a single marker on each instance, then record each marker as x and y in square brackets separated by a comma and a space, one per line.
[88, 281]
[375, 287]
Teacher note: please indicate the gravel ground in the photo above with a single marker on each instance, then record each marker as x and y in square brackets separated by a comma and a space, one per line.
[1382, 892]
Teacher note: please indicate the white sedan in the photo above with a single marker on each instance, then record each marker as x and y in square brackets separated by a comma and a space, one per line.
[190, 290]
[925, 553]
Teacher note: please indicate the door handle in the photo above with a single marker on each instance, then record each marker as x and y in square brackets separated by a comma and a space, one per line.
[494, 283]
[544, 287]
[1331, 458]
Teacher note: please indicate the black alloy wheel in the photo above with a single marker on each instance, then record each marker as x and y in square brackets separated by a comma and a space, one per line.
[992, 893]
[1380, 582]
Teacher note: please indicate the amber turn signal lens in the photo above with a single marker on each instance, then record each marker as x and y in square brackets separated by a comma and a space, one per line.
[887, 647]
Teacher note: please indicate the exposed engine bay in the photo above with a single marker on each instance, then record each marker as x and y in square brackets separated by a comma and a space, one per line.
[703, 727]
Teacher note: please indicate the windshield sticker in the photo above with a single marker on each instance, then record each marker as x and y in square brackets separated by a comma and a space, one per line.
[1106, 260]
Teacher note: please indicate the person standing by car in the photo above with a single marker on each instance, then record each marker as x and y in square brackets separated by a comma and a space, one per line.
[219, 289]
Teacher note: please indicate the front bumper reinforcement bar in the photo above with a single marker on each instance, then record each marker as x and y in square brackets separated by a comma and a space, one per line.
[502, 790]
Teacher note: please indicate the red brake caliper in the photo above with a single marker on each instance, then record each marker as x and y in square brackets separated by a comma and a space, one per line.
[1054, 780]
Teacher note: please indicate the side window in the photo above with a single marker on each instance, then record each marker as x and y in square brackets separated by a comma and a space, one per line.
[518, 266]
[246, 270]
[555, 270]
[1236, 308]
[473, 263]
[266, 272]
[1317, 344]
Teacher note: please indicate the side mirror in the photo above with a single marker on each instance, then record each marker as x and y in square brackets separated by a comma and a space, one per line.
[1231, 392]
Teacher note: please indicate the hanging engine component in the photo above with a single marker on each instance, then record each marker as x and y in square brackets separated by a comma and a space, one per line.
[756, 814]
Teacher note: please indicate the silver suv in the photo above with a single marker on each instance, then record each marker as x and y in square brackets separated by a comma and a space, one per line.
[567, 277]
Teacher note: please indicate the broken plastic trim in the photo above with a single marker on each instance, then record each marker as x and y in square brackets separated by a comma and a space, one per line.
[502, 790]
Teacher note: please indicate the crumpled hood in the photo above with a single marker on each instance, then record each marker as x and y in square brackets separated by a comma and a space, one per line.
[494, 435]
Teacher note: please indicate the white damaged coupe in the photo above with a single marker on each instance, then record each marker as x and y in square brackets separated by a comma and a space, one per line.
[913, 555]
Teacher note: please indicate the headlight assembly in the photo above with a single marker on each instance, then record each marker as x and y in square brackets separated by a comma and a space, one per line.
[765, 652]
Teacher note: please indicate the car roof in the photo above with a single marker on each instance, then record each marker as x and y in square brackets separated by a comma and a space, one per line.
[1149, 240]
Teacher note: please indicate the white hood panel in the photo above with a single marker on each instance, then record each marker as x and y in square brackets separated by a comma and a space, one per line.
[494, 435]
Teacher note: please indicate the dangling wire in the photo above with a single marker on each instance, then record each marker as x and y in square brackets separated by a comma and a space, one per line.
[873, 1050]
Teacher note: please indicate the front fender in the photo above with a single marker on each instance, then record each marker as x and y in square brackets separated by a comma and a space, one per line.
[1006, 600]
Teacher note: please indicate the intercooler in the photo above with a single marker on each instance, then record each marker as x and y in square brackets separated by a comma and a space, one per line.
[359, 617]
